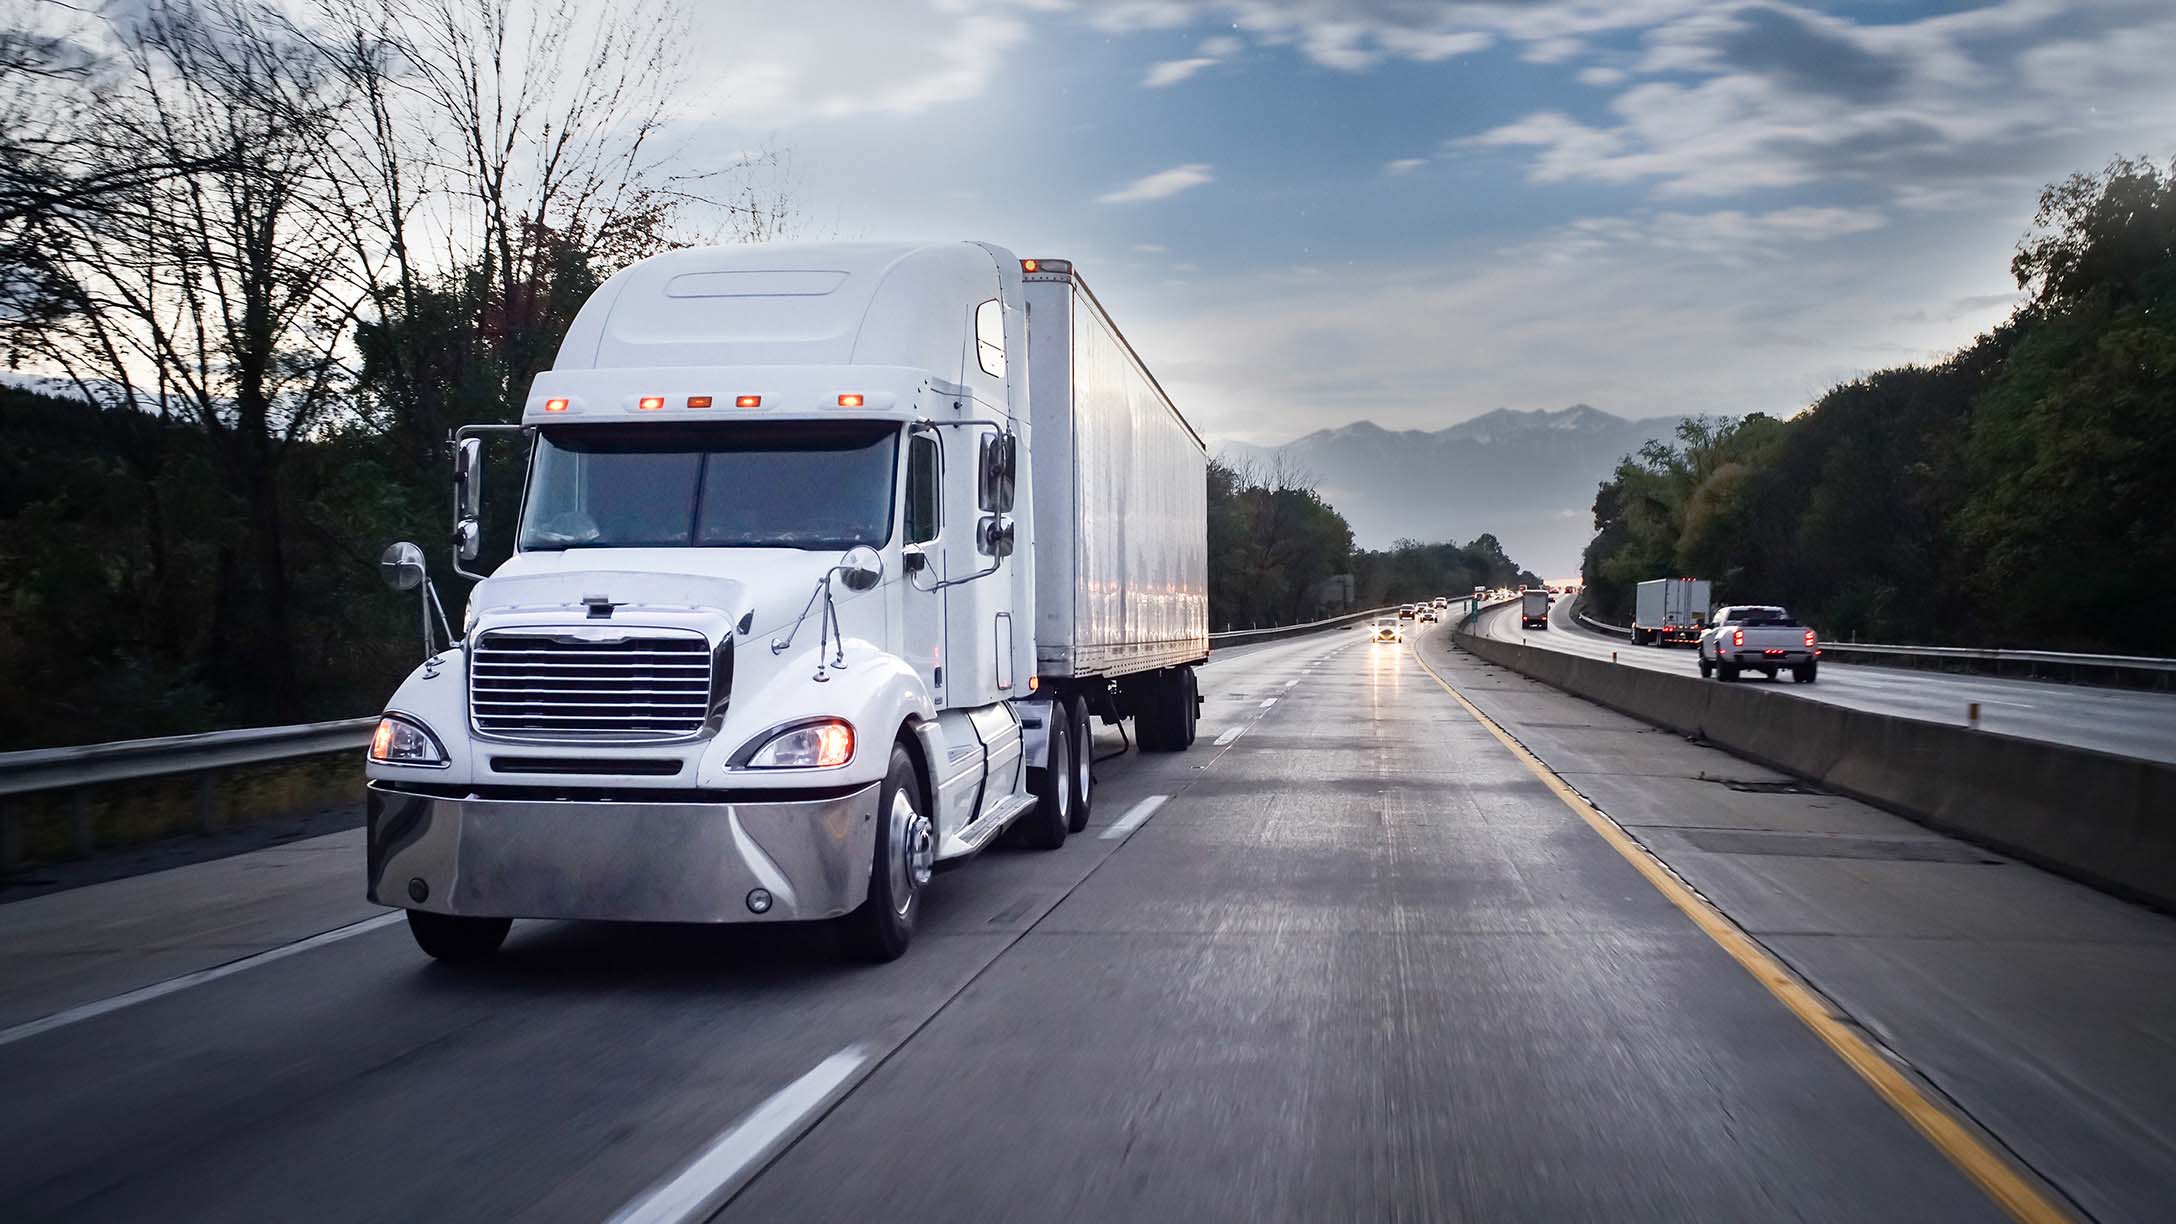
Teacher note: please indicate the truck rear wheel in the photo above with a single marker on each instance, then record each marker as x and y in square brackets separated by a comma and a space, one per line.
[1084, 757]
[1805, 672]
[1045, 827]
[1706, 668]
[884, 925]
[451, 937]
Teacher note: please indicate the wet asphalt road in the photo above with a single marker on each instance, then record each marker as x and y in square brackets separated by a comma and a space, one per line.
[1359, 964]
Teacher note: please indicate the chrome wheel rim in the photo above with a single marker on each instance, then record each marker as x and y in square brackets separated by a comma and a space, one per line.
[1082, 762]
[911, 851]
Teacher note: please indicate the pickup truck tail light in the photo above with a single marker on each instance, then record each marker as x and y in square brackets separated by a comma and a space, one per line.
[1809, 639]
[1737, 637]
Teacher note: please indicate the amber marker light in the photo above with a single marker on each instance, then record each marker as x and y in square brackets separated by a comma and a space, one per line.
[555, 405]
[698, 401]
[650, 403]
[850, 400]
[747, 401]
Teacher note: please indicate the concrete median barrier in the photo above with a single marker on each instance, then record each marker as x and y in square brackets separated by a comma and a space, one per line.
[2105, 819]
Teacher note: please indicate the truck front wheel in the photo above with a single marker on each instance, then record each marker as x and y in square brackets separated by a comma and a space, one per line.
[451, 937]
[884, 925]
[1045, 827]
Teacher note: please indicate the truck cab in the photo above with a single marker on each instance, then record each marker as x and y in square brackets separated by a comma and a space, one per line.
[765, 649]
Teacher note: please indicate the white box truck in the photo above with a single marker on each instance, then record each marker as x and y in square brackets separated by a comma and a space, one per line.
[1534, 609]
[1667, 610]
[826, 557]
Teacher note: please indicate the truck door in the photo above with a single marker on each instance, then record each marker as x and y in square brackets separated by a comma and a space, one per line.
[923, 621]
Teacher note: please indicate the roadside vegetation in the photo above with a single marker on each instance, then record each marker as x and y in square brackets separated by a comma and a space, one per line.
[1279, 554]
[2021, 493]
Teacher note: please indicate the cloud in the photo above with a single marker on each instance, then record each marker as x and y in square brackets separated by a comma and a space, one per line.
[1161, 185]
[1943, 110]
[1405, 165]
[837, 60]
[1150, 248]
[1731, 236]
[1171, 72]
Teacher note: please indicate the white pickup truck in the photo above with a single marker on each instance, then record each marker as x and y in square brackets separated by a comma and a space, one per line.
[1761, 637]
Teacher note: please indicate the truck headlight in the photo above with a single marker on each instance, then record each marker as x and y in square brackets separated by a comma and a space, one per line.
[823, 744]
[403, 741]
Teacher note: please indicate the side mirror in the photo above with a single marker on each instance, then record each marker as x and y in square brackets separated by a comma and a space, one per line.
[993, 536]
[467, 540]
[401, 565]
[996, 472]
[861, 568]
[468, 480]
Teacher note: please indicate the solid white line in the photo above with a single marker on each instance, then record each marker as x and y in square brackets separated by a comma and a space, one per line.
[1230, 735]
[1134, 817]
[738, 1151]
[1268, 702]
[1290, 683]
[85, 1011]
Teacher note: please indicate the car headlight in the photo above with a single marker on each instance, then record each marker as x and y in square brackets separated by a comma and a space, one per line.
[403, 741]
[825, 743]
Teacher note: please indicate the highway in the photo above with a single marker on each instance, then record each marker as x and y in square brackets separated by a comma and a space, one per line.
[1381, 946]
[2127, 722]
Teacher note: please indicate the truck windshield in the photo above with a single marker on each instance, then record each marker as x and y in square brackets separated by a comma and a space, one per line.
[793, 484]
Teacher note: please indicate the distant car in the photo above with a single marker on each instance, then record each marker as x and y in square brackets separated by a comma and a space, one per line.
[1427, 616]
[1408, 612]
[1760, 637]
[1443, 601]
[1386, 630]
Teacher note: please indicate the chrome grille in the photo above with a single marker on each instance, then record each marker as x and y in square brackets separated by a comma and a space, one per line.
[590, 684]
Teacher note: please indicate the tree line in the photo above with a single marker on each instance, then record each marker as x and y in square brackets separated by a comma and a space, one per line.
[2019, 493]
[265, 257]
[1280, 554]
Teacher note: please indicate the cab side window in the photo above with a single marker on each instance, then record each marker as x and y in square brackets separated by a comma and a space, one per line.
[924, 466]
[990, 338]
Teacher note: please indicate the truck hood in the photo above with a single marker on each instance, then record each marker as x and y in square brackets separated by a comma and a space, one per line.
[772, 583]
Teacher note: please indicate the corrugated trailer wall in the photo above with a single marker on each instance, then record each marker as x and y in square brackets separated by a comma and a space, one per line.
[1138, 567]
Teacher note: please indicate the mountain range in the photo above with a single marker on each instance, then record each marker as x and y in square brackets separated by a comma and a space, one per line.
[1528, 477]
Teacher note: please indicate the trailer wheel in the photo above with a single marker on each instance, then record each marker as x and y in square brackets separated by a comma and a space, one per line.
[1155, 709]
[451, 937]
[1045, 827]
[1188, 713]
[1084, 754]
[883, 926]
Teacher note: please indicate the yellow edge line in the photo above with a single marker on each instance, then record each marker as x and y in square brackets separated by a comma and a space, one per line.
[2021, 1199]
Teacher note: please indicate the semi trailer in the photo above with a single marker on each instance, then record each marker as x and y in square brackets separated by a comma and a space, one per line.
[826, 558]
[1669, 610]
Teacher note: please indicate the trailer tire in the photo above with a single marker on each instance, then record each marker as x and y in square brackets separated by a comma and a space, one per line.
[1045, 826]
[883, 926]
[1084, 758]
[1155, 720]
[1188, 713]
[453, 937]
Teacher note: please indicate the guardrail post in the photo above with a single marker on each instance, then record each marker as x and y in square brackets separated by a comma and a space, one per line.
[208, 815]
[82, 829]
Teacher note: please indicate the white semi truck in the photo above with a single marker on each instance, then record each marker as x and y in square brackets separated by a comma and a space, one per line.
[827, 556]
[1667, 610]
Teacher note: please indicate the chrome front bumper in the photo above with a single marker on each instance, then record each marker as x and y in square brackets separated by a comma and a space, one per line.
[624, 861]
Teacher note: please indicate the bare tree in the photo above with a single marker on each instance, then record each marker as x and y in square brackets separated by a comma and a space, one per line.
[218, 288]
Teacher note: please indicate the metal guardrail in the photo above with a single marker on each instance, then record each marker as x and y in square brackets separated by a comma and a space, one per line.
[1239, 637]
[204, 755]
[1992, 656]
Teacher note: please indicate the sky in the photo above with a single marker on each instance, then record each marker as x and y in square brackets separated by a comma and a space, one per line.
[1309, 212]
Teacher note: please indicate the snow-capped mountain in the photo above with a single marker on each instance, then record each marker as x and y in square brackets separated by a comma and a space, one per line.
[1529, 477]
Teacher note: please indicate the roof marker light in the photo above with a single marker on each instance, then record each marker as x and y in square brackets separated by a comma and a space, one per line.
[747, 401]
[650, 403]
[1029, 265]
[698, 401]
[850, 400]
[555, 405]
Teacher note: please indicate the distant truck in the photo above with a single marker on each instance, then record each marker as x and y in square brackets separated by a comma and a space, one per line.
[1670, 610]
[826, 558]
[1762, 638]
[1534, 609]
